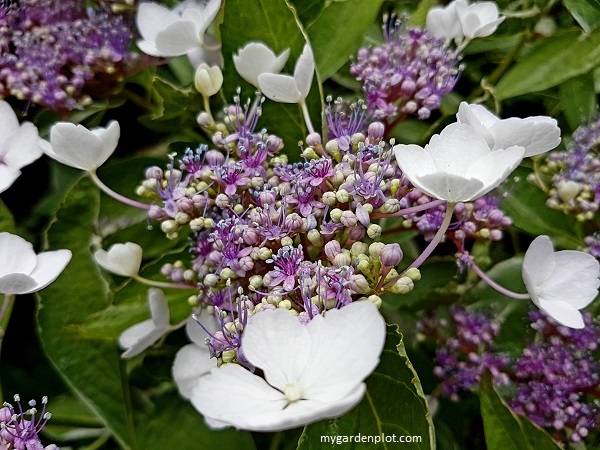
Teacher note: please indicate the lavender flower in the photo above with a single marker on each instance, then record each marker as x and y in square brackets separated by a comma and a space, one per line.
[19, 429]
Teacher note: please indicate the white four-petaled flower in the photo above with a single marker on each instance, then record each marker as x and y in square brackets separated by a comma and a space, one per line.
[22, 271]
[19, 145]
[560, 283]
[121, 259]
[288, 89]
[134, 340]
[537, 134]
[459, 19]
[457, 165]
[312, 371]
[76, 146]
[182, 30]
[255, 58]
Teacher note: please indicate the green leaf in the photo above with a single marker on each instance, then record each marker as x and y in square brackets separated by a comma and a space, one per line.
[393, 404]
[339, 31]
[585, 12]
[578, 98]
[308, 10]
[171, 423]
[526, 206]
[419, 16]
[92, 369]
[560, 58]
[7, 222]
[505, 430]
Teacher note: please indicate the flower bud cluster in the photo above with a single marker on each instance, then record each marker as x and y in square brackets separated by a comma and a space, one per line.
[465, 350]
[553, 377]
[408, 75]
[51, 52]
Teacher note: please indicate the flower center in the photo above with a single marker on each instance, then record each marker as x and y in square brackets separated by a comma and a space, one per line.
[293, 392]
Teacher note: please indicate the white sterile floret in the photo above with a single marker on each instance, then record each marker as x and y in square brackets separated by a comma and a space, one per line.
[121, 259]
[255, 58]
[312, 372]
[208, 80]
[560, 283]
[134, 340]
[22, 271]
[168, 33]
[19, 145]
[194, 360]
[76, 146]
[459, 19]
[288, 89]
[537, 134]
[457, 165]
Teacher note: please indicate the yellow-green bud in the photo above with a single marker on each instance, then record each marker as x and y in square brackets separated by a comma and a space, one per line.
[208, 80]
[342, 259]
[287, 241]
[309, 153]
[403, 286]
[375, 299]
[358, 248]
[228, 356]
[342, 196]
[238, 209]
[182, 218]
[413, 273]
[375, 249]
[368, 207]
[197, 224]
[211, 280]
[255, 281]
[374, 231]
[169, 226]
[193, 300]
[363, 266]
[227, 273]
[315, 238]
[336, 214]
[286, 304]
[329, 198]
[265, 253]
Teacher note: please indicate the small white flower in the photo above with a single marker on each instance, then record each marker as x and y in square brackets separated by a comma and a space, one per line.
[122, 259]
[208, 80]
[255, 59]
[22, 271]
[457, 165]
[76, 146]
[19, 145]
[134, 340]
[537, 134]
[460, 19]
[167, 33]
[194, 360]
[560, 283]
[288, 89]
[312, 371]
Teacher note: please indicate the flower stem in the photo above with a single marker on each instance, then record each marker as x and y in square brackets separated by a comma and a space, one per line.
[108, 191]
[496, 286]
[7, 305]
[411, 210]
[163, 284]
[309, 124]
[206, 101]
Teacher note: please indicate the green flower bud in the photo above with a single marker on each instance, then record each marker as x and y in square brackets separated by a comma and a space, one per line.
[358, 248]
[375, 299]
[208, 80]
[329, 198]
[227, 273]
[315, 238]
[342, 196]
[255, 281]
[336, 214]
[375, 249]
[211, 280]
[287, 241]
[413, 273]
[342, 259]
[169, 226]
[374, 231]
[286, 304]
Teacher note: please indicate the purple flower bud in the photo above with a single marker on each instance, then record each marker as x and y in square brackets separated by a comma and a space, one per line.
[376, 131]
[332, 248]
[154, 172]
[391, 255]
[214, 158]
[313, 139]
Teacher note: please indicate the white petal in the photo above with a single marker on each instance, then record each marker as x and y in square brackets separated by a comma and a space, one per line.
[279, 344]
[17, 283]
[563, 313]
[16, 255]
[149, 48]
[445, 186]
[136, 339]
[122, 259]
[109, 136]
[75, 145]
[151, 18]
[7, 177]
[443, 22]
[178, 38]
[344, 349]
[24, 147]
[159, 307]
[8, 119]
[49, 266]
[279, 88]
[538, 264]
[196, 333]
[537, 134]
[480, 118]
[210, 10]
[304, 71]
[191, 362]
[493, 168]
[414, 161]
[256, 58]
[201, 55]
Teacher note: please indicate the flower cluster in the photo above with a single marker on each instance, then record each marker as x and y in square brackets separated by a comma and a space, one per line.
[60, 54]
[553, 377]
[408, 75]
[465, 350]
[19, 428]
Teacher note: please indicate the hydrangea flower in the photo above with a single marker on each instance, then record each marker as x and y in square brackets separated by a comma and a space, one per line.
[76, 146]
[459, 19]
[255, 58]
[312, 371]
[121, 259]
[457, 165]
[134, 340]
[560, 283]
[19, 145]
[19, 428]
[22, 271]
